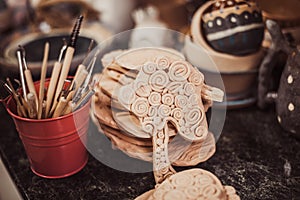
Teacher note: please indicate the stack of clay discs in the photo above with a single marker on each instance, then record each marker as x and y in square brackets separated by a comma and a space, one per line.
[121, 127]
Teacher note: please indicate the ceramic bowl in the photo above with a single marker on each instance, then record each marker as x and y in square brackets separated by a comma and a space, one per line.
[207, 59]
[34, 43]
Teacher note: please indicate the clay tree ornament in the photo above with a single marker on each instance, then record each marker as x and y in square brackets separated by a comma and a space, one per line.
[233, 27]
[287, 97]
[168, 92]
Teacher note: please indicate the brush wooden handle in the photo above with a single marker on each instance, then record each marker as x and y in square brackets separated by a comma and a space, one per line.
[64, 74]
[60, 107]
[30, 85]
[32, 112]
[42, 81]
[52, 86]
[69, 108]
[80, 75]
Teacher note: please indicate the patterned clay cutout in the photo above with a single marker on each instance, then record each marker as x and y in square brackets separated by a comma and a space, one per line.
[166, 92]
[191, 184]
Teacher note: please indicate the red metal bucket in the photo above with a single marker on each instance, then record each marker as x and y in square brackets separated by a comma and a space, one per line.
[55, 147]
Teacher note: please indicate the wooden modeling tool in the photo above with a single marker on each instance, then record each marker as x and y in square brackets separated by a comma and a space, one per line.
[22, 77]
[28, 76]
[53, 81]
[42, 81]
[67, 60]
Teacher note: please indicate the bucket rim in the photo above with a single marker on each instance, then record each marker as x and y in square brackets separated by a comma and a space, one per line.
[41, 120]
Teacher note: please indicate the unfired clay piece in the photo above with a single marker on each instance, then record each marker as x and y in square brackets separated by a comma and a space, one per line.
[193, 184]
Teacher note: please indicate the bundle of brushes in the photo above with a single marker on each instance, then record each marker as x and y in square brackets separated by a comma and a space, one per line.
[61, 95]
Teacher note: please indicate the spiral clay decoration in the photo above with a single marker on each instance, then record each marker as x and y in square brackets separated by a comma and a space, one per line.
[162, 63]
[143, 89]
[149, 67]
[127, 95]
[177, 114]
[189, 89]
[193, 116]
[154, 99]
[179, 71]
[211, 191]
[196, 78]
[148, 127]
[140, 107]
[159, 80]
[164, 111]
[181, 101]
[152, 111]
[168, 99]
[186, 185]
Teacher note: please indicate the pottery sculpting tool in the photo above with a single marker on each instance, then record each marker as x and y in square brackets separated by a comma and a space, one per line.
[22, 77]
[42, 81]
[32, 112]
[20, 108]
[53, 81]
[84, 99]
[28, 76]
[67, 60]
[81, 73]
[84, 86]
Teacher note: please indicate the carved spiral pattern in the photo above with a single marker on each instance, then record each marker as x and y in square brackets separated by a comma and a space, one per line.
[149, 68]
[163, 63]
[186, 185]
[179, 71]
[164, 111]
[182, 181]
[193, 116]
[127, 95]
[181, 101]
[196, 78]
[191, 192]
[159, 80]
[154, 99]
[177, 114]
[140, 107]
[189, 89]
[148, 127]
[143, 90]
[204, 179]
[201, 131]
[193, 99]
[174, 87]
[211, 191]
[152, 111]
[174, 194]
[168, 99]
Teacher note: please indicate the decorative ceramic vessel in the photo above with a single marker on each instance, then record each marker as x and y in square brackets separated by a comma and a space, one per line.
[233, 27]
[287, 97]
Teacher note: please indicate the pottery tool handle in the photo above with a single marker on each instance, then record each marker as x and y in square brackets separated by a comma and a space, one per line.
[64, 74]
[162, 167]
[84, 99]
[52, 86]
[30, 83]
[42, 81]
[60, 107]
[69, 108]
[22, 77]
[80, 75]
[32, 112]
